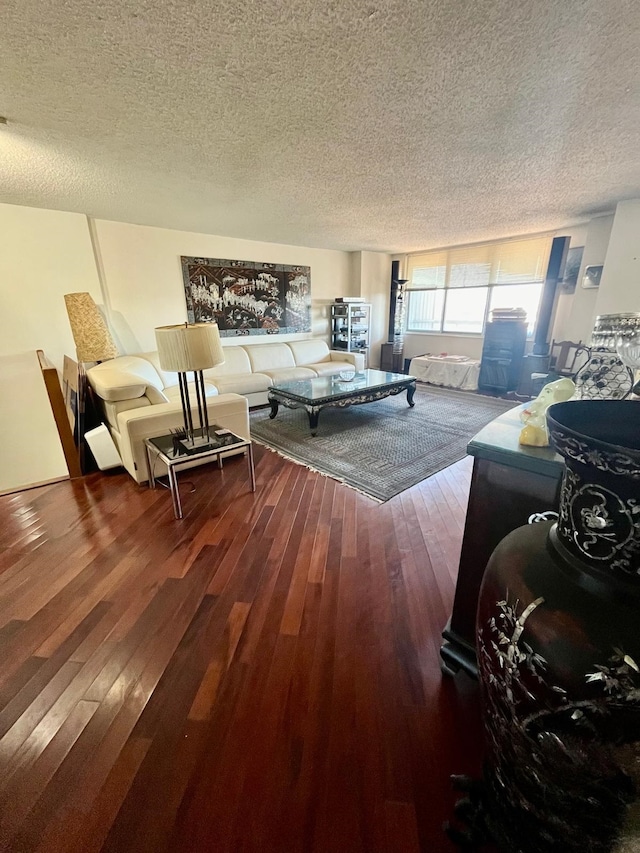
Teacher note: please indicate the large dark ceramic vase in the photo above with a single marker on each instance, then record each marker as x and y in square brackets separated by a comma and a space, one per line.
[558, 635]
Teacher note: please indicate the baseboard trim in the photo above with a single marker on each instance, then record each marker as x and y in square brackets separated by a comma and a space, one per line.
[33, 486]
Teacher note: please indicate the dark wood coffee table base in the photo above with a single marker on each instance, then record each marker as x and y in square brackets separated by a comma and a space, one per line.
[359, 396]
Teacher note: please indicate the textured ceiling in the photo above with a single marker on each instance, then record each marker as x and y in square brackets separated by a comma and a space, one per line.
[387, 124]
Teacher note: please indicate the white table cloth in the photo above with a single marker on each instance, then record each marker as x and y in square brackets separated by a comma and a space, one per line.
[451, 371]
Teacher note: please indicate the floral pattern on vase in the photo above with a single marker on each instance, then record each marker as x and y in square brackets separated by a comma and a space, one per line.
[559, 651]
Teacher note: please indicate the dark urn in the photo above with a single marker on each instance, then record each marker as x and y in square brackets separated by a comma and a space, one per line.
[558, 637]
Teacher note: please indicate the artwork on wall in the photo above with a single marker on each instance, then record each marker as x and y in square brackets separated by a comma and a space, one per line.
[571, 270]
[247, 298]
[592, 276]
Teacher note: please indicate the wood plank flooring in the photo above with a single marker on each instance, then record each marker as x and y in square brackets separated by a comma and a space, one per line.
[260, 676]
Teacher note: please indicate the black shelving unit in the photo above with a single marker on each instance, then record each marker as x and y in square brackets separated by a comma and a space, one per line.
[350, 326]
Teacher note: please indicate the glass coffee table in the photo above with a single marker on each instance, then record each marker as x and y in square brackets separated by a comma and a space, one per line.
[173, 451]
[318, 393]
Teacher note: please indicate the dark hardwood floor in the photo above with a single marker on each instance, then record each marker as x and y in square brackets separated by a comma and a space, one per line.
[260, 676]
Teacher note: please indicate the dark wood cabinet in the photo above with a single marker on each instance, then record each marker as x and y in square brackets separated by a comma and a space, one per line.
[509, 483]
[390, 360]
[502, 354]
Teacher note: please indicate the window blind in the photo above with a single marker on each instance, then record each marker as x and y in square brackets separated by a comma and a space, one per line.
[470, 266]
[522, 261]
[427, 270]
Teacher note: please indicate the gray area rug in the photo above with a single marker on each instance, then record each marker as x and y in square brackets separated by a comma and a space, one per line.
[382, 448]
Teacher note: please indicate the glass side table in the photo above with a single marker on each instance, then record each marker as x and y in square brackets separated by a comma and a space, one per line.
[174, 452]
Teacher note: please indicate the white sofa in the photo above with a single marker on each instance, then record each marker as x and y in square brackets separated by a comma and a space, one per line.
[140, 400]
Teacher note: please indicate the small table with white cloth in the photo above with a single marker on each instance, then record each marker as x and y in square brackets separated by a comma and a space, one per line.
[452, 371]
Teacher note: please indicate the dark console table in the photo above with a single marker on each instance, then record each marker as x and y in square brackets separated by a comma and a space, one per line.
[509, 483]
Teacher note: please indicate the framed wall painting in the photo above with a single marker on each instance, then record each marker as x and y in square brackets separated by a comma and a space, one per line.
[592, 275]
[571, 270]
[247, 297]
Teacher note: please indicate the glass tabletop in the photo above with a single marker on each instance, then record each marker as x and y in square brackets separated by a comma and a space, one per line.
[321, 387]
[175, 446]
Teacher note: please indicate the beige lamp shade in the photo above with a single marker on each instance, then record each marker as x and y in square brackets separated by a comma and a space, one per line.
[189, 347]
[90, 333]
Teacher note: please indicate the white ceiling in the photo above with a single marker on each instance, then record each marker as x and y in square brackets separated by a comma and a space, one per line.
[353, 124]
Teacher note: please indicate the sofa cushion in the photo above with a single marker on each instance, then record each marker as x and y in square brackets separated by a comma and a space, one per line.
[309, 352]
[123, 378]
[353, 360]
[236, 362]
[173, 393]
[147, 423]
[154, 395]
[242, 383]
[328, 368]
[169, 377]
[265, 358]
[289, 374]
[113, 409]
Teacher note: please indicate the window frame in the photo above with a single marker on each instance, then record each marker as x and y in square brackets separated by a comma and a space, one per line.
[490, 287]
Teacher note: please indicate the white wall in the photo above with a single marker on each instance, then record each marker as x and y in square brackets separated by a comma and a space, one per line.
[613, 241]
[44, 254]
[143, 278]
[575, 312]
[619, 289]
[375, 287]
[31, 451]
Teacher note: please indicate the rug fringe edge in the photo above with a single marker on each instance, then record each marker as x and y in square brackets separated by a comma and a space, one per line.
[315, 470]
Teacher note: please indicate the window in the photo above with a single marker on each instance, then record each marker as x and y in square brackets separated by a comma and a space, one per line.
[453, 290]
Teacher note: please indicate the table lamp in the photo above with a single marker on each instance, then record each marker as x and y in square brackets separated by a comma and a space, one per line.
[90, 333]
[93, 343]
[191, 347]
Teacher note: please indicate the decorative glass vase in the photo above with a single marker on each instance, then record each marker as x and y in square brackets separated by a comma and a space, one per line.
[610, 328]
[558, 636]
[628, 349]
